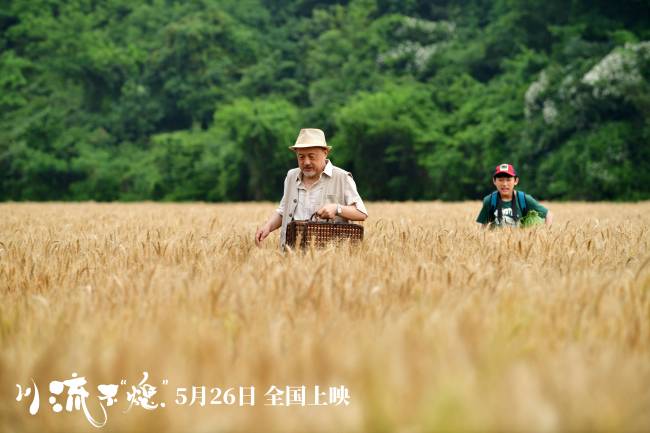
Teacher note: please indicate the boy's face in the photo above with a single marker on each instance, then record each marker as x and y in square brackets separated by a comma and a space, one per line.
[505, 185]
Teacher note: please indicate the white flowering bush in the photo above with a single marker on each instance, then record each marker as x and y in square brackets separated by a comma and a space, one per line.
[582, 120]
[549, 112]
[619, 74]
[533, 94]
[537, 100]
[426, 26]
[415, 54]
[618, 71]
[420, 41]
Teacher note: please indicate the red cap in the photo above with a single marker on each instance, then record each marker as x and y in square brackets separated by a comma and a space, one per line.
[505, 169]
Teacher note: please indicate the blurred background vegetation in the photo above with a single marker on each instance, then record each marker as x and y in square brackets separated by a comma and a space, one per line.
[198, 100]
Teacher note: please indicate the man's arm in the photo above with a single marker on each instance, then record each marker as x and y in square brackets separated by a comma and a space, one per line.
[352, 213]
[273, 223]
[349, 212]
[275, 220]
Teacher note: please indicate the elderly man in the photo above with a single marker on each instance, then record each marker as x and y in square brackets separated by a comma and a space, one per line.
[316, 186]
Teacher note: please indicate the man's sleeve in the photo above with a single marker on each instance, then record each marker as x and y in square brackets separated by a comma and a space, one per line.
[533, 204]
[483, 214]
[283, 202]
[352, 196]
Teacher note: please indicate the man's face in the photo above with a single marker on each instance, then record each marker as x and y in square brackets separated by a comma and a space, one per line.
[312, 160]
[505, 184]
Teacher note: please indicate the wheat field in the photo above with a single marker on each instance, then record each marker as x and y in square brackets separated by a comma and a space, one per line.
[431, 324]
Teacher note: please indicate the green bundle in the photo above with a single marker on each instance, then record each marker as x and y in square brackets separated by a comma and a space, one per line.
[531, 219]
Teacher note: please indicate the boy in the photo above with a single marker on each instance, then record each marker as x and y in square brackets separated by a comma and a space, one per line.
[498, 206]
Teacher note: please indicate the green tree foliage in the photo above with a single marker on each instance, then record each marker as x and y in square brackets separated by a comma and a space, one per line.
[390, 125]
[173, 100]
[250, 142]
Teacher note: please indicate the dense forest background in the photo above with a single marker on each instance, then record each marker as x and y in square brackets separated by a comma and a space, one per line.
[198, 100]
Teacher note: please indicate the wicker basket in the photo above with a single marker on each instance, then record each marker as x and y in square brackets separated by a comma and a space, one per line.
[304, 233]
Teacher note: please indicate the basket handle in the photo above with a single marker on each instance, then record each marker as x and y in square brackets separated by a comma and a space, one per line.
[314, 216]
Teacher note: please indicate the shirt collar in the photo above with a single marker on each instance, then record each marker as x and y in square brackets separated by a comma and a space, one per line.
[329, 168]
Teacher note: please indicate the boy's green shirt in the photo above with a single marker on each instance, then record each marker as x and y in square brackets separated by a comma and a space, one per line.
[506, 210]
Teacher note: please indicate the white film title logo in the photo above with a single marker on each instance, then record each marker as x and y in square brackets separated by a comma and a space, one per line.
[73, 394]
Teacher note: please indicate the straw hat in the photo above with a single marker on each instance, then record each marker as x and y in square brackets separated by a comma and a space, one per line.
[310, 137]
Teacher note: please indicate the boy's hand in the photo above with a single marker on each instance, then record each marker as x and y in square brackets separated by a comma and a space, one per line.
[549, 218]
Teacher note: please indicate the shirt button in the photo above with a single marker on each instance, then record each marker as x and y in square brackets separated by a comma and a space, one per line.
[290, 215]
[295, 200]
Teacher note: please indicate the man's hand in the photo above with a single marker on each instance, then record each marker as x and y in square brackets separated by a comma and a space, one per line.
[328, 211]
[261, 234]
[349, 212]
[274, 222]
